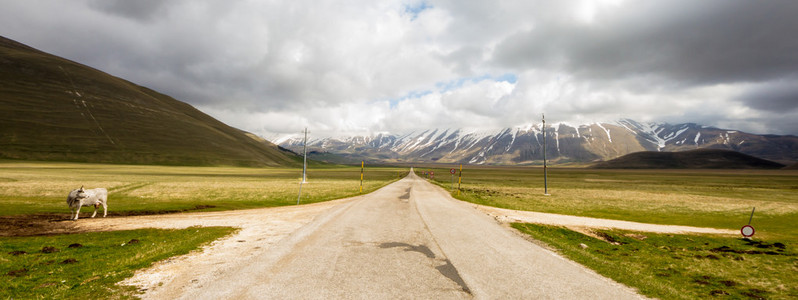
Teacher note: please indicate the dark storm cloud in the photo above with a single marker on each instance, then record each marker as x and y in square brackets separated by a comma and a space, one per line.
[138, 9]
[686, 42]
[777, 96]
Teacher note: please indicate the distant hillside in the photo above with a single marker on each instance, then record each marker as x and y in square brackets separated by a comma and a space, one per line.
[693, 159]
[792, 167]
[55, 109]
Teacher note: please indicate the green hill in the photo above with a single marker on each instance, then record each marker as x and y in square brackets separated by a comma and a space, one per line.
[694, 159]
[55, 109]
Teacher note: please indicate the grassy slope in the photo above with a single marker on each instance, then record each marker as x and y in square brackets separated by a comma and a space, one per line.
[92, 270]
[39, 187]
[55, 109]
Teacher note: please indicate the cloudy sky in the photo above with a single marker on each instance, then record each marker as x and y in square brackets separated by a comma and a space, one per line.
[359, 66]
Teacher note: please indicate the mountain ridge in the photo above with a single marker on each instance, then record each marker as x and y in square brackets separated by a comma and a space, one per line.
[523, 144]
[690, 159]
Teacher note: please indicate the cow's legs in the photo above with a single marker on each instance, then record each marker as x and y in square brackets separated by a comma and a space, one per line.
[95, 211]
[73, 215]
[77, 212]
[105, 209]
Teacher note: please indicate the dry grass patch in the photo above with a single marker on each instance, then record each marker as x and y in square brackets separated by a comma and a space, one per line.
[43, 187]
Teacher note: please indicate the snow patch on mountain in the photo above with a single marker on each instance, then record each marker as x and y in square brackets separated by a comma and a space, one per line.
[605, 130]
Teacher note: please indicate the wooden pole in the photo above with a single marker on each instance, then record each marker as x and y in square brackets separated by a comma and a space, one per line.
[459, 179]
[305, 163]
[545, 175]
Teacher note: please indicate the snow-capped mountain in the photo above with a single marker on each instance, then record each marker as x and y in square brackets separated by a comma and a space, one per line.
[524, 144]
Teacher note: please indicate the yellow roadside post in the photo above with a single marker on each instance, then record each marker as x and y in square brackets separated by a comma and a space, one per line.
[362, 164]
[459, 179]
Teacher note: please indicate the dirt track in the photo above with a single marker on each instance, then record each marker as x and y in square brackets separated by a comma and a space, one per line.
[409, 239]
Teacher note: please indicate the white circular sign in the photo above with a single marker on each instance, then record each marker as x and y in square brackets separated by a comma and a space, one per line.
[747, 231]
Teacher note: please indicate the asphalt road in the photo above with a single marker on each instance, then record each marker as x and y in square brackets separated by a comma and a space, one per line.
[407, 240]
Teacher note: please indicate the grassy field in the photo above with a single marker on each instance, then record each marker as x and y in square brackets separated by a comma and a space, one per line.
[88, 265]
[109, 257]
[662, 266]
[706, 198]
[42, 187]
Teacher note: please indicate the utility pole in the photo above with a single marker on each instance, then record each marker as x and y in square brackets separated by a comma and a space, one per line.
[305, 163]
[545, 175]
[304, 166]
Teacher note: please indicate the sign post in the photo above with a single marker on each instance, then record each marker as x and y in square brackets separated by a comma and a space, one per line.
[748, 230]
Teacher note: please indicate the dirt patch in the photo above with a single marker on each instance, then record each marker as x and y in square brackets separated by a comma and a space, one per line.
[718, 293]
[53, 224]
[755, 293]
[728, 283]
[49, 249]
[69, 261]
[17, 273]
[610, 239]
[703, 280]
[36, 224]
[727, 249]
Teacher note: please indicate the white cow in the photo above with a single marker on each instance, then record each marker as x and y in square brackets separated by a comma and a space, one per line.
[87, 197]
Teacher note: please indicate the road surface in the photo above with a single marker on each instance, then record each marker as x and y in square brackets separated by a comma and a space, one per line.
[407, 240]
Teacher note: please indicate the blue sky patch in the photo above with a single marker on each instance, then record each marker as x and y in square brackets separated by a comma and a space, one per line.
[457, 83]
[414, 9]
[410, 95]
[446, 86]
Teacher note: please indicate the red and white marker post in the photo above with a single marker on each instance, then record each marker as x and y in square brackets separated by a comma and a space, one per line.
[748, 230]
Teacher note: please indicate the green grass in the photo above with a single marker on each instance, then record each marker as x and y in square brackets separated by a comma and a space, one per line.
[92, 270]
[682, 266]
[42, 187]
[707, 198]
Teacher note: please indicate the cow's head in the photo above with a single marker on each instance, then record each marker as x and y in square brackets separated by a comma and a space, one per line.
[81, 193]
